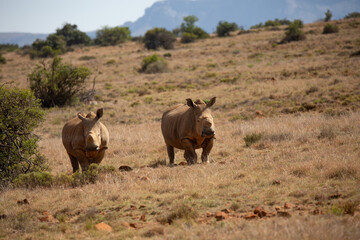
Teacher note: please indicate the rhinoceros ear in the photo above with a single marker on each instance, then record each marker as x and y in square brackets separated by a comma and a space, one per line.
[211, 102]
[99, 113]
[82, 118]
[190, 102]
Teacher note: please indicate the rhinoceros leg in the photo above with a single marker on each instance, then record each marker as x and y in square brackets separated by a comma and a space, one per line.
[206, 146]
[171, 154]
[189, 154]
[74, 163]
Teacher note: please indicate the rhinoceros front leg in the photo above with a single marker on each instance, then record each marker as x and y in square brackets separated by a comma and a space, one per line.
[83, 161]
[207, 146]
[171, 154]
[74, 163]
[189, 154]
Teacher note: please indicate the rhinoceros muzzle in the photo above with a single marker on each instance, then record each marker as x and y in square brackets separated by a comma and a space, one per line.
[207, 132]
[91, 149]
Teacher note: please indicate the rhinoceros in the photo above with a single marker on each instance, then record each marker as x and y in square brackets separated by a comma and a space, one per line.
[85, 139]
[189, 126]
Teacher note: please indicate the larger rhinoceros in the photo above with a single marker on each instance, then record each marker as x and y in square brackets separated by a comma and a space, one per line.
[189, 126]
[85, 139]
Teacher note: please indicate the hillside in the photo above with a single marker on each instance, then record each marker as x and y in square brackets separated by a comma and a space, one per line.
[302, 98]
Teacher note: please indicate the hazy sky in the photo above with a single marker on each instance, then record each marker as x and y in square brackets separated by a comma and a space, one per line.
[45, 16]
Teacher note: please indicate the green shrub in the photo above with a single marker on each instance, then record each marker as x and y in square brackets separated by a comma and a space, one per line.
[72, 35]
[328, 16]
[272, 23]
[294, 32]
[252, 138]
[52, 46]
[20, 114]
[57, 84]
[2, 59]
[224, 28]
[188, 37]
[34, 179]
[352, 15]
[112, 36]
[330, 28]
[153, 64]
[159, 37]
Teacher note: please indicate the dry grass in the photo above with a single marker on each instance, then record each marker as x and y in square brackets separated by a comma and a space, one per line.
[302, 97]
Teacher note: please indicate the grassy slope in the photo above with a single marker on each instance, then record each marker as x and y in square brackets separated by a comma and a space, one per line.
[303, 97]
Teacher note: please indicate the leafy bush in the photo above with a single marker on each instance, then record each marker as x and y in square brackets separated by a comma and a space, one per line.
[252, 138]
[328, 16]
[330, 28]
[159, 37]
[72, 35]
[188, 37]
[352, 15]
[112, 36]
[294, 32]
[52, 46]
[153, 64]
[57, 84]
[20, 114]
[2, 59]
[34, 179]
[224, 28]
[272, 23]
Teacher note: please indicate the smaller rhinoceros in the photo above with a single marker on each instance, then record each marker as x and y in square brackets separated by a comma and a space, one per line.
[189, 126]
[85, 139]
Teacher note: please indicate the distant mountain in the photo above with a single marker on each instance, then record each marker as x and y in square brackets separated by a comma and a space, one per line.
[20, 39]
[169, 14]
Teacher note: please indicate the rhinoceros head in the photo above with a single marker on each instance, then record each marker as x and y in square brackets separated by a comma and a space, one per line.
[92, 130]
[204, 123]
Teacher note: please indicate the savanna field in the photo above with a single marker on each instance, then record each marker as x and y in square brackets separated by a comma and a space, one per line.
[285, 163]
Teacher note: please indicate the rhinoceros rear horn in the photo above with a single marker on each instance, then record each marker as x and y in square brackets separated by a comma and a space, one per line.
[81, 116]
[211, 102]
[99, 113]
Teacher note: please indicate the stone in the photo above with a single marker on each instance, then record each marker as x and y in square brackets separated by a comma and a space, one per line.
[260, 212]
[250, 216]
[133, 225]
[183, 163]
[103, 227]
[226, 210]
[22, 202]
[221, 216]
[289, 205]
[277, 208]
[143, 218]
[47, 217]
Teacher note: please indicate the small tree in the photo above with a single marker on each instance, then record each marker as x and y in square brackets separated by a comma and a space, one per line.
[72, 35]
[58, 84]
[328, 15]
[189, 24]
[224, 28]
[159, 37]
[188, 27]
[294, 32]
[112, 36]
[20, 114]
